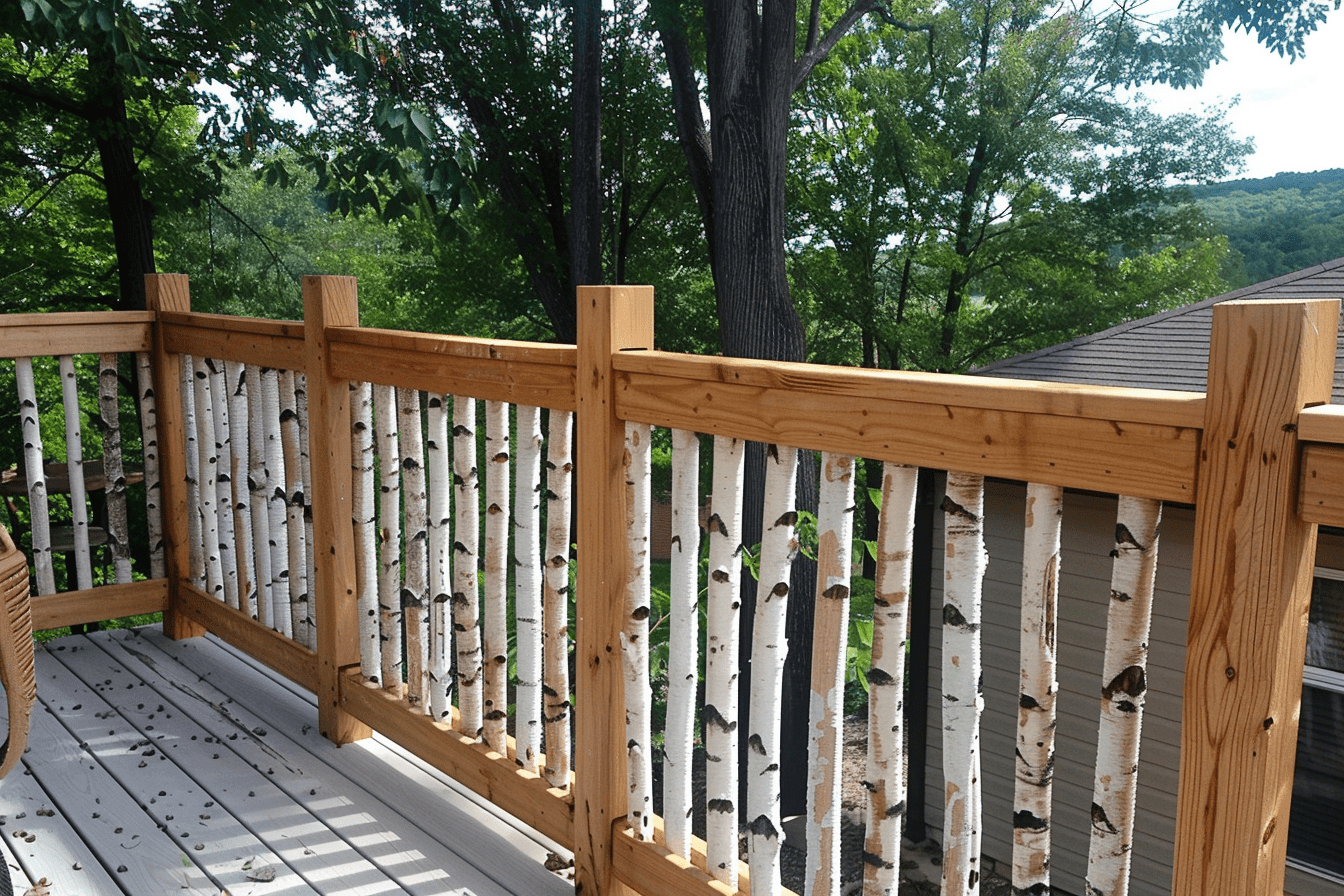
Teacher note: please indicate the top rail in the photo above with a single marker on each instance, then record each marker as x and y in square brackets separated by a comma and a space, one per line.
[1008, 428]
[75, 333]
[269, 343]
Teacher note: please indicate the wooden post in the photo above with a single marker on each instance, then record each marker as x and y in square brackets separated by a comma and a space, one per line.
[1250, 590]
[611, 318]
[171, 292]
[331, 302]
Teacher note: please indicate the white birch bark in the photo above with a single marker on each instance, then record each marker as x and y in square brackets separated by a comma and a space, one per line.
[779, 545]
[886, 681]
[235, 376]
[1036, 702]
[207, 469]
[723, 631]
[389, 536]
[964, 570]
[192, 473]
[118, 530]
[306, 478]
[683, 641]
[1124, 686]
[414, 571]
[149, 436]
[555, 599]
[38, 511]
[74, 460]
[466, 602]
[297, 560]
[276, 505]
[527, 585]
[830, 638]
[495, 646]
[290, 443]
[224, 503]
[366, 534]
[635, 634]
[258, 488]
[438, 466]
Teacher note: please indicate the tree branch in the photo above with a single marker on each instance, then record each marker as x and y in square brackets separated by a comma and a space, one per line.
[818, 50]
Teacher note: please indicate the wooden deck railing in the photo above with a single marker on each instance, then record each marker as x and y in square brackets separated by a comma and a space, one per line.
[1261, 463]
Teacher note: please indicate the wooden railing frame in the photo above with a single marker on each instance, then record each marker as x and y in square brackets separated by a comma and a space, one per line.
[1260, 456]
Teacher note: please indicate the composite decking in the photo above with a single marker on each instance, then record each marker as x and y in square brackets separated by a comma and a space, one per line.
[157, 766]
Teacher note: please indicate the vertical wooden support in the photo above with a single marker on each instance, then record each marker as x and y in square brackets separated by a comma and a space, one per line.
[611, 318]
[331, 302]
[1250, 590]
[170, 292]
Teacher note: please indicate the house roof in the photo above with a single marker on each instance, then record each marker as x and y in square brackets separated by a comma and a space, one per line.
[1169, 350]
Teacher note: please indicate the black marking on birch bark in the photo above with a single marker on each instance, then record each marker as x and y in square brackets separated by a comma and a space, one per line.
[837, 591]
[972, 879]
[952, 508]
[557, 561]
[360, 426]
[1026, 701]
[1100, 822]
[493, 510]
[756, 745]
[721, 806]
[1125, 537]
[772, 451]
[639, 614]
[460, 430]
[1131, 681]
[495, 715]
[879, 678]
[720, 575]
[953, 616]
[781, 589]
[501, 457]
[1121, 596]
[762, 826]
[790, 518]
[288, 414]
[716, 522]
[410, 463]
[896, 811]
[1040, 888]
[872, 858]
[714, 718]
[1024, 820]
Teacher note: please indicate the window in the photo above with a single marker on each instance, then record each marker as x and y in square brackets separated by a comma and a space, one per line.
[1316, 826]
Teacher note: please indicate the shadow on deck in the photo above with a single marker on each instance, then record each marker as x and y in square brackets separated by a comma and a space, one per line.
[157, 766]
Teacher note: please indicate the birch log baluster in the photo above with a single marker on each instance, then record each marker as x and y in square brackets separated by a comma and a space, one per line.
[219, 408]
[365, 524]
[276, 505]
[414, 573]
[683, 641]
[1124, 686]
[466, 604]
[495, 647]
[779, 546]
[835, 525]
[235, 376]
[555, 599]
[207, 467]
[297, 560]
[306, 478]
[192, 471]
[635, 634]
[527, 584]
[149, 434]
[438, 465]
[258, 487]
[39, 514]
[886, 681]
[118, 530]
[1036, 703]
[964, 570]
[74, 462]
[721, 662]
[389, 536]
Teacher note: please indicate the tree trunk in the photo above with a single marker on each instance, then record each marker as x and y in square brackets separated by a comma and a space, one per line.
[585, 209]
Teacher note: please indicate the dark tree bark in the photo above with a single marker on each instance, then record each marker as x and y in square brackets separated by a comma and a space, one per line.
[586, 187]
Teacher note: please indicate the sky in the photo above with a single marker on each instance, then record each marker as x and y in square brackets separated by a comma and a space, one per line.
[1292, 110]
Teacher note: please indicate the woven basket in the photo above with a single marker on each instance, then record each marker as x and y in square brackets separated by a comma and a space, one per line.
[16, 650]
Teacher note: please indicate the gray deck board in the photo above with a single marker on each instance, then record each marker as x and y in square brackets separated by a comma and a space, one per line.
[203, 769]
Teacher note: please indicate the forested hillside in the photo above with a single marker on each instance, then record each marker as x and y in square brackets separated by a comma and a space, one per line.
[1277, 225]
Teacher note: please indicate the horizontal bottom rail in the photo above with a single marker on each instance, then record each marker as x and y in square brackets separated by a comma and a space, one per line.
[649, 867]
[98, 604]
[286, 656]
[523, 794]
